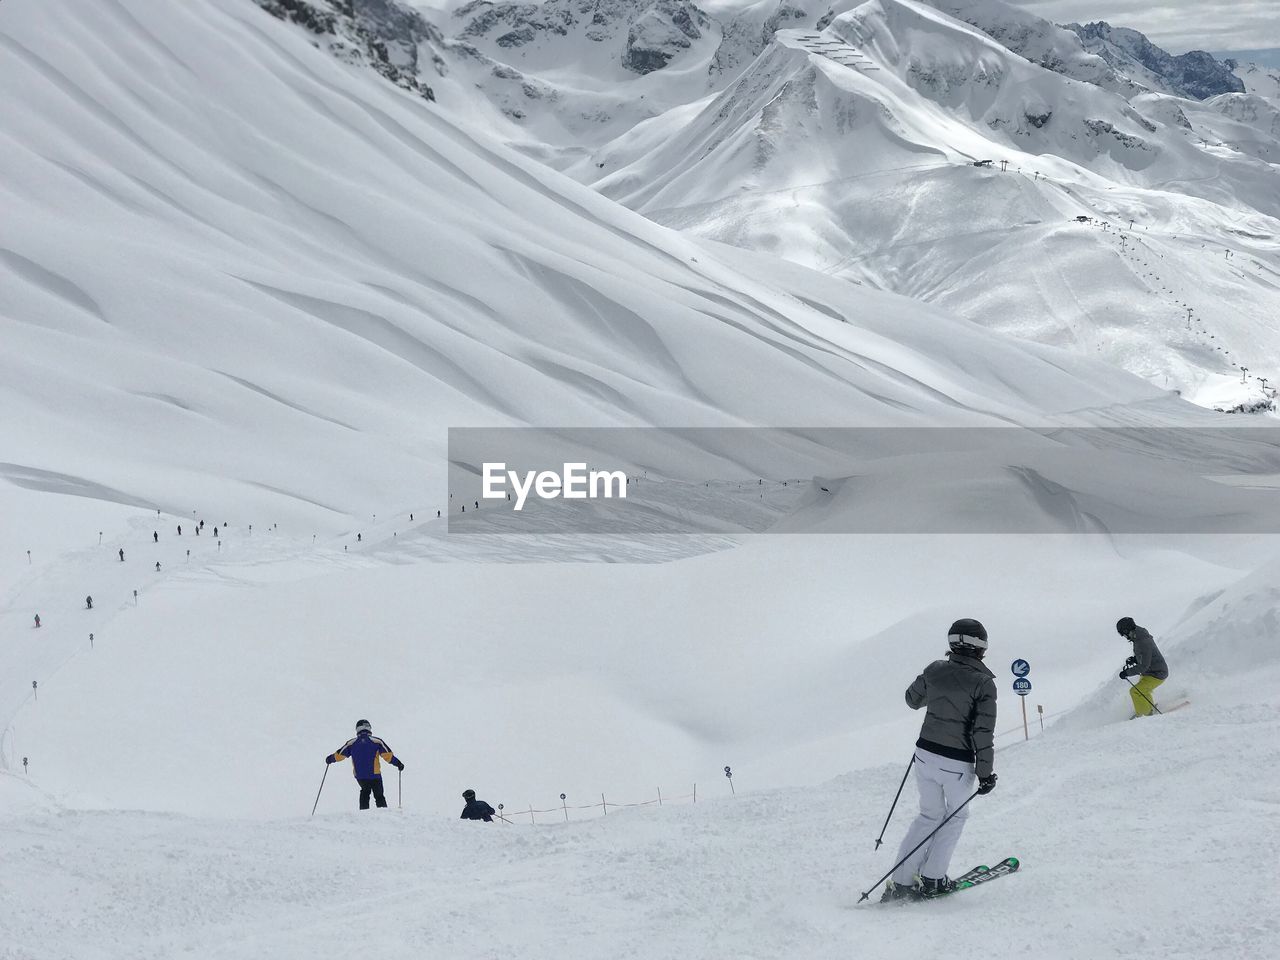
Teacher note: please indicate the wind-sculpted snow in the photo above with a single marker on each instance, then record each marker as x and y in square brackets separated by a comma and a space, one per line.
[213, 202]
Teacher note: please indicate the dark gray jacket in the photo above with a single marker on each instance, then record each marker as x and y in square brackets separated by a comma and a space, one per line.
[960, 693]
[1150, 661]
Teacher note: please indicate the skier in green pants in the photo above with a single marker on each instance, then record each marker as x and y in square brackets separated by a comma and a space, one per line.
[1147, 664]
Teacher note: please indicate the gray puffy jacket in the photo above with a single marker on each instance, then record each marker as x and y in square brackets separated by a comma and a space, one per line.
[1150, 662]
[960, 693]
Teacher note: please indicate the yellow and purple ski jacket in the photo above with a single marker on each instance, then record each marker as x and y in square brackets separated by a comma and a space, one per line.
[366, 753]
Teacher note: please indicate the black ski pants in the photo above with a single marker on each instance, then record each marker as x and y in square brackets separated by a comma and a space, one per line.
[373, 786]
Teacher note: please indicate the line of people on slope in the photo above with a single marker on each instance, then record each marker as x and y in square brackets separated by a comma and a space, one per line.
[956, 748]
[368, 753]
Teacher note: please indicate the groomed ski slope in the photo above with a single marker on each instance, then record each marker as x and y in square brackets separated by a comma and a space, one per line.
[175, 763]
[1151, 838]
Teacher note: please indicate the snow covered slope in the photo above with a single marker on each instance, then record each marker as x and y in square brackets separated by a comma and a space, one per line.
[1263, 81]
[851, 150]
[246, 281]
[761, 875]
[698, 677]
[236, 270]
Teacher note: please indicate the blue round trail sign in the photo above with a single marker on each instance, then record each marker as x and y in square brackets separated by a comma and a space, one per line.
[1022, 686]
[1020, 668]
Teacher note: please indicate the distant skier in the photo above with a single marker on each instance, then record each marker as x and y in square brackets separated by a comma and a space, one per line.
[215, 531]
[155, 536]
[476, 809]
[179, 529]
[122, 554]
[37, 620]
[88, 603]
[157, 566]
[1147, 664]
[956, 745]
[366, 753]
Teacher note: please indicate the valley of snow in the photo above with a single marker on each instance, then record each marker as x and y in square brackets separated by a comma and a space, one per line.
[246, 282]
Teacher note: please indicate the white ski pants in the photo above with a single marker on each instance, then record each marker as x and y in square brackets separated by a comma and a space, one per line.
[944, 785]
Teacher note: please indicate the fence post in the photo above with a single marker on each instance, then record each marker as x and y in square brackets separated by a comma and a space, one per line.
[695, 793]
[604, 804]
[659, 796]
[531, 818]
[1040, 710]
[564, 808]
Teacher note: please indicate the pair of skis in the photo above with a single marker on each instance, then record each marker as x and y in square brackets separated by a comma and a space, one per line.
[975, 877]
[985, 874]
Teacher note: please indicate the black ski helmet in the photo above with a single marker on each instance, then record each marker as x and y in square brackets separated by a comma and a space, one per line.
[1125, 626]
[364, 726]
[968, 636]
[468, 794]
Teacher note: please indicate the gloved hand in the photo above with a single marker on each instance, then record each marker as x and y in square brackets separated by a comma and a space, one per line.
[398, 763]
[329, 759]
[986, 784]
[1131, 662]
[1124, 673]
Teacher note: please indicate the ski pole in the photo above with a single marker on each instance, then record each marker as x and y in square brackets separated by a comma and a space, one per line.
[918, 846]
[894, 805]
[399, 789]
[1144, 696]
[317, 803]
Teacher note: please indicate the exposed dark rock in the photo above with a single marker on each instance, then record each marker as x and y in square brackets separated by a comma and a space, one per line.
[661, 32]
[1196, 74]
[387, 35]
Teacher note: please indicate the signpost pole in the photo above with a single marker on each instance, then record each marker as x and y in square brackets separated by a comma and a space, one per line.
[1025, 734]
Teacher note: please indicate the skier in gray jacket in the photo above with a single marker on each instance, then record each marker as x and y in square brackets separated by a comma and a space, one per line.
[1147, 663]
[955, 749]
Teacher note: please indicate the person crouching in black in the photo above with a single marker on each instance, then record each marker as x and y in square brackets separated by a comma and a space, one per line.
[476, 809]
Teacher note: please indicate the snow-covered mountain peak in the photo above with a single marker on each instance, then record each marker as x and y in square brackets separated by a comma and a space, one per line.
[639, 36]
[1195, 74]
[1257, 79]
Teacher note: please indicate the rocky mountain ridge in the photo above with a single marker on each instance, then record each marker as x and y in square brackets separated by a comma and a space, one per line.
[1195, 74]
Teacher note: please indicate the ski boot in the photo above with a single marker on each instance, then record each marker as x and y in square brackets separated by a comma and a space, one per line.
[930, 888]
[899, 891]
